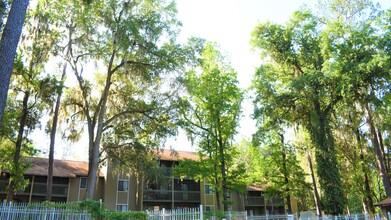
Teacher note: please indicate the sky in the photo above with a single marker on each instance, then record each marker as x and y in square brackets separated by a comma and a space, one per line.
[228, 23]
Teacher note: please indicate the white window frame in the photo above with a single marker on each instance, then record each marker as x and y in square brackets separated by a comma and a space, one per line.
[209, 191]
[211, 208]
[125, 187]
[81, 180]
[124, 207]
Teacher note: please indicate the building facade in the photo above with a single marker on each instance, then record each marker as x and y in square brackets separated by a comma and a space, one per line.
[69, 181]
[123, 191]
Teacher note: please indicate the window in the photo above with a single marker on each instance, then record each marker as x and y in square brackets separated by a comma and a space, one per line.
[208, 190]
[122, 208]
[83, 183]
[123, 185]
[209, 208]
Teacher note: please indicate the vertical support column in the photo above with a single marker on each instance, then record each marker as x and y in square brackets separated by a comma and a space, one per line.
[172, 193]
[31, 188]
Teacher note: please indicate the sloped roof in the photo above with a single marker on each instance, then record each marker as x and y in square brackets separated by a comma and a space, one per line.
[386, 202]
[61, 168]
[175, 155]
[254, 188]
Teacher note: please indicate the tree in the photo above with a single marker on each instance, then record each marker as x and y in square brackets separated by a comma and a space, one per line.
[8, 45]
[360, 50]
[281, 173]
[320, 63]
[136, 42]
[303, 90]
[29, 83]
[210, 115]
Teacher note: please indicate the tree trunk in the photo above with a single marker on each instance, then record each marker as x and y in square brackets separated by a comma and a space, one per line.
[285, 173]
[18, 147]
[140, 188]
[384, 153]
[53, 139]
[8, 44]
[326, 161]
[94, 153]
[379, 156]
[217, 194]
[314, 187]
[224, 176]
[367, 190]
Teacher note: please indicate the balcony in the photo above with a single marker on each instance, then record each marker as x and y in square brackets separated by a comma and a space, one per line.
[58, 190]
[157, 195]
[254, 201]
[189, 196]
[166, 196]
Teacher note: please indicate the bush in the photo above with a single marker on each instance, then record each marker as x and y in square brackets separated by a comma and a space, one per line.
[96, 209]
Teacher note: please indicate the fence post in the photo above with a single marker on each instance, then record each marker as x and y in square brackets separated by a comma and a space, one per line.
[9, 209]
[201, 213]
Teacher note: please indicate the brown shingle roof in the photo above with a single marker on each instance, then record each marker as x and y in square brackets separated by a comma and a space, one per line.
[386, 202]
[174, 155]
[61, 168]
[254, 188]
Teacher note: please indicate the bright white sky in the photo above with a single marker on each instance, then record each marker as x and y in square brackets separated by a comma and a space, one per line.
[229, 24]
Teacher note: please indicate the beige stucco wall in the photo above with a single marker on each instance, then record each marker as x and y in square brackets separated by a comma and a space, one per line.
[77, 194]
[237, 201]
[73, 189]
[112, 196]
[110, 192]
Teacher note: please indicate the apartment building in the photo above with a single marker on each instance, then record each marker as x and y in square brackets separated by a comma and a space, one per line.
[123, 190]
[69, 181]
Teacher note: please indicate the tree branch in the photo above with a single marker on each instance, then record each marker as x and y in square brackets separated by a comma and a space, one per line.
[132, 111]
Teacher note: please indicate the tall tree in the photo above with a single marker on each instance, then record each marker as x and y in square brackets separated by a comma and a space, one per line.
[303, 90]
[29, 83]
[8, 45]
[281, 173]
[360, 49]
[135, 41]
[210, 114]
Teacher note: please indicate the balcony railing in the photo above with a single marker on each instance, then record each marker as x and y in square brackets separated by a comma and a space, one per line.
[261, 201]
[254, 201]
[157, 195]
[166, 195]
[58, 190]
[187, 196]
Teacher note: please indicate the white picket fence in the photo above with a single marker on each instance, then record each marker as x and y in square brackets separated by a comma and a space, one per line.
[38, 211]
[176, 214]
[192, 214]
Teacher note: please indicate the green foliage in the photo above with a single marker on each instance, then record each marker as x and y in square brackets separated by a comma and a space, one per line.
[214, 214]
[295, 89]
[96, 209]
[318, 67]
[210, 115]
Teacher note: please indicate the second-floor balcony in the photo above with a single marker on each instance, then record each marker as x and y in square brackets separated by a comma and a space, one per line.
[262, 201]
[167, 196]
[254, 201]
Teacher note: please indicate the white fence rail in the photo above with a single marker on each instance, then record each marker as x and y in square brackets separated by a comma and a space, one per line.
[40, 212]
[176, 214]
[272, 217]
